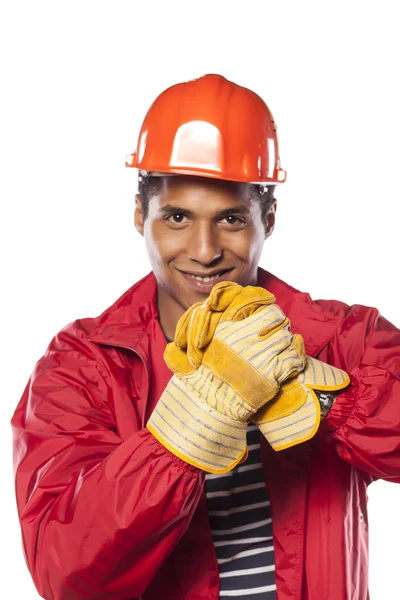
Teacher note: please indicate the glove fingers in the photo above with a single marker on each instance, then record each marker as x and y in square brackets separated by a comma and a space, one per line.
[203, 317]
[321, 376]
[181, 330]
[292, 360]
[261, 355]
[247, 329]
[176, 360]
[234, 302]
[272, 327]
[222, 295]
[228, 302]
[247, 302]
[201, 331]
[201, 324]
[196, 327]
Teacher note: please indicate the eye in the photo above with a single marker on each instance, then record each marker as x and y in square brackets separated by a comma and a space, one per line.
[176, 218]
[234, 221]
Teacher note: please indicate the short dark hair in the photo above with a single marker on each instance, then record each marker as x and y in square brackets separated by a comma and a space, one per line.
[149, 185]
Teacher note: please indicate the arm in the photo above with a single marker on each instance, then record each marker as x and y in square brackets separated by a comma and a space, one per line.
[99, 514]
[365, 418]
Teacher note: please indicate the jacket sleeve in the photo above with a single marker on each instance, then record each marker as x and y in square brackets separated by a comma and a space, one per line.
[99, 514]
[365, 419]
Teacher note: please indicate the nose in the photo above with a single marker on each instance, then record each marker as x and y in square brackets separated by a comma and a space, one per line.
[203, 244]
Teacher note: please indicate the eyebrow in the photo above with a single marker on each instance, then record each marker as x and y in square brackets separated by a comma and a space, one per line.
[242, 209]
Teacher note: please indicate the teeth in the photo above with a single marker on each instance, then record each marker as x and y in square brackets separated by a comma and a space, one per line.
[206, 279]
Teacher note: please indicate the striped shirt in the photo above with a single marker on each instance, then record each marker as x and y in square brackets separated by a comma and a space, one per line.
[241, 527]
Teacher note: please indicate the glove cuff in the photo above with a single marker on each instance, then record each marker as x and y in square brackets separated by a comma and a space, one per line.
[192, 430]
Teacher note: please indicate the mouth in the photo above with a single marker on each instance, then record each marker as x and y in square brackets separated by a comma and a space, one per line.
[205, 283]
[208, 276]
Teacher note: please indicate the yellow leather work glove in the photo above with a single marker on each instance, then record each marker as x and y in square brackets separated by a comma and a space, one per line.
[222, 379]
[281, 430]
[294, 414]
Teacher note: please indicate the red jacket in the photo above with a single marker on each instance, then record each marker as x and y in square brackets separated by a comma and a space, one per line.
[107, 512]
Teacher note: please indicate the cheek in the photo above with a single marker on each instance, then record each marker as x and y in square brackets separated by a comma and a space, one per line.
[162, 244]
[248, 245]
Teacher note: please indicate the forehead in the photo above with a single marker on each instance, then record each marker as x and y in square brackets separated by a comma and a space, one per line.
[190, 189]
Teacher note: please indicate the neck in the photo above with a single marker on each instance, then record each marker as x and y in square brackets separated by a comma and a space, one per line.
[169, 311]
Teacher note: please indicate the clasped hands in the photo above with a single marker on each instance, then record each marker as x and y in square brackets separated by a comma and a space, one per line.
[235, 360]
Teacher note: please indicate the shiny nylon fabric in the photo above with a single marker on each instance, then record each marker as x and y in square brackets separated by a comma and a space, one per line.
[107, 512]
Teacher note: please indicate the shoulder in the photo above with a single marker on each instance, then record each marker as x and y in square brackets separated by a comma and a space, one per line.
[350, 313]
[347, 329]
[343, 312]
[130, 312]
[364, 336]
[364, 318]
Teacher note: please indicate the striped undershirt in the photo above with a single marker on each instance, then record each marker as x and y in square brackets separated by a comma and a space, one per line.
[241, 527]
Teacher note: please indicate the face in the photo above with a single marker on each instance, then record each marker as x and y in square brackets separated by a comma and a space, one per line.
[199, 232]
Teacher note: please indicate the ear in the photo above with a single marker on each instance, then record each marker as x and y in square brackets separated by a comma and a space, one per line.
[138, 215]
[269, 222]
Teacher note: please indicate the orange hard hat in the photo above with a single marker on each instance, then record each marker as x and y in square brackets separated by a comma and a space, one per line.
[209, 127]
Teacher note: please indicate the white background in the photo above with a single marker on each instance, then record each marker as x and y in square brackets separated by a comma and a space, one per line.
[76, 80]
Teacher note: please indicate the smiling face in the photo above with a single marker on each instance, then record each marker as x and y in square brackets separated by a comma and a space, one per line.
[199, 232]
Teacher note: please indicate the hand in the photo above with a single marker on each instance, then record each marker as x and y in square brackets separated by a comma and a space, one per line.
[278, 428]
[230, 355]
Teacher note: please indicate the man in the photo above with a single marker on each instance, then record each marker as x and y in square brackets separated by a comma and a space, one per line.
[241, 468]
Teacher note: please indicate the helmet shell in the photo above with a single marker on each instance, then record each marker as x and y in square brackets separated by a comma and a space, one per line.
[210, 127]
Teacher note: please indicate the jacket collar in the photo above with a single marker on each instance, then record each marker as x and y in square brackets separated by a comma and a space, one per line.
[126, 322]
